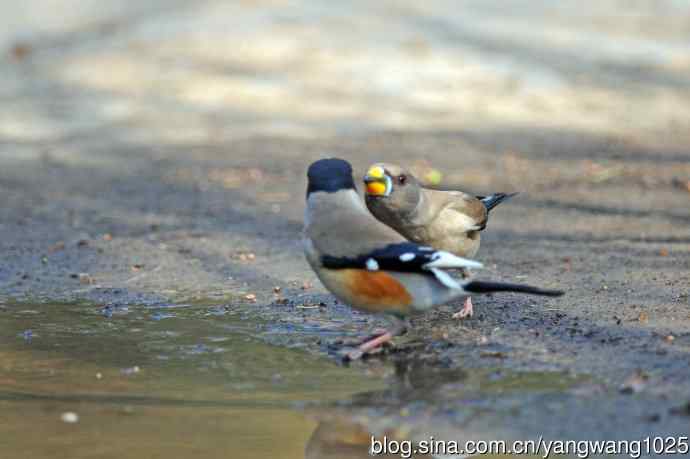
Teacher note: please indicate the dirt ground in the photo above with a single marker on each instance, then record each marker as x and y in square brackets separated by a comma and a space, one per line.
[159, 155]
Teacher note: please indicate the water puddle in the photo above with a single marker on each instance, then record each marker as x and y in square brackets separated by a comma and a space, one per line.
[172, 382]
[146, 384]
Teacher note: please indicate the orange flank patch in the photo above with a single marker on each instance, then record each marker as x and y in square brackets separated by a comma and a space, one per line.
[377, 290]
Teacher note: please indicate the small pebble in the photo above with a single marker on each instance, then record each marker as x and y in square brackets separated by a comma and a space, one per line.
[69, 417]
[85, 278]
[20, 51]
[56, 247]
[130, 371]
[635, 383]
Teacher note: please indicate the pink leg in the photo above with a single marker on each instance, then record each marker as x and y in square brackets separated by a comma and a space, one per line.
[367, 346]
[466, 311]
[375, 333]
[375, 342]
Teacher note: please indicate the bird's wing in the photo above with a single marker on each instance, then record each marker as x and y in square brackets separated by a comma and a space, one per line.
[468, 211]
[403, 257]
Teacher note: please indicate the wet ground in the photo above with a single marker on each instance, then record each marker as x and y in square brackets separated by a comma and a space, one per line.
[152, 165]
[169, 382]
[185, 379]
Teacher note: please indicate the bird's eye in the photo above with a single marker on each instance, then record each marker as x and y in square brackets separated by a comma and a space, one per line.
[402, 178]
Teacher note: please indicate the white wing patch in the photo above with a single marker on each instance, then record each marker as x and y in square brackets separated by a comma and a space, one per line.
[442, 259]
[372, 265]
[409, 256]
[445, 278]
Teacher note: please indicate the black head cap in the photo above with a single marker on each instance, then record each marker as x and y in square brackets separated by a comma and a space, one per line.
[330, 175]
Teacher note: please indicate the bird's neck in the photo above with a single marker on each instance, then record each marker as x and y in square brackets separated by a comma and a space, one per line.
[342, 202]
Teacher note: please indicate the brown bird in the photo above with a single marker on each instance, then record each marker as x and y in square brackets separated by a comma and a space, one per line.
[446, 220]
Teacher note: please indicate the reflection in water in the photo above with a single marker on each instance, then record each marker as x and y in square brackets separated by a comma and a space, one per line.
[342, 439]
[424, 402]
[340, 436]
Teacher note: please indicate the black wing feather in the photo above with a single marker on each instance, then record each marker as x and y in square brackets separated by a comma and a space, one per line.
[495, 199]
[387, 258]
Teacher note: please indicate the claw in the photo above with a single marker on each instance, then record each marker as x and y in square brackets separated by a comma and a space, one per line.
[466, 311]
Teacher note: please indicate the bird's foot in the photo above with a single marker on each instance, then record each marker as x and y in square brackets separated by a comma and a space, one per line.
[466, 311]
[368, 346]
[380, 337]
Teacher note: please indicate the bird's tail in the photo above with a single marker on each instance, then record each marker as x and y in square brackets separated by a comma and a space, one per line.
[489, 287]
[495, 199]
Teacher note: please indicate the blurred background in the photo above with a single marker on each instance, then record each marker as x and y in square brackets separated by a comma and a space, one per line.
[187, 72]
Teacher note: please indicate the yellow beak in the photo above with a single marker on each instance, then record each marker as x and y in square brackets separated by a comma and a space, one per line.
[375, 172]
[376, 188]
[376, 181]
